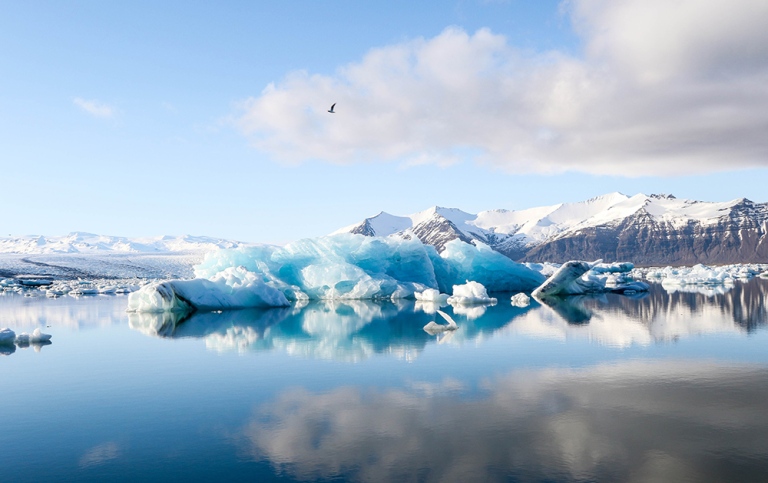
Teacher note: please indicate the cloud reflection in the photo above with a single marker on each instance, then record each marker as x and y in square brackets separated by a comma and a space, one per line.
[650, 421]
[100, 454]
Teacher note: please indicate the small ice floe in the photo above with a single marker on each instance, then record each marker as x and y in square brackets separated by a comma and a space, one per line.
[52, 293]
[521, 300]
[434, 328]
[431, 295]
[35, 338]
[704, 274]
[470, 293]
[36, 282]
[84, 291]
[7, 336]
[38, 337]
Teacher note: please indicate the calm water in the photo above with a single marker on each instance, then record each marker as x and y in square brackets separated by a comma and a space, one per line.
[666, 387]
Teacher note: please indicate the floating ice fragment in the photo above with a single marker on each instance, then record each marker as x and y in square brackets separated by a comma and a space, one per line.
[38, 337]
[703, 275]
[521, 300]
[434, 328]
[7, 336]
[470, 293]
[432, 295]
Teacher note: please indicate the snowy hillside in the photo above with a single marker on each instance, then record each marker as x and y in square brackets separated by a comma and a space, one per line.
[78, 242]
[661, 228]
[88, 256]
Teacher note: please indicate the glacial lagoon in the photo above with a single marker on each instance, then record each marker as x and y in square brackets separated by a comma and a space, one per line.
[668, 385]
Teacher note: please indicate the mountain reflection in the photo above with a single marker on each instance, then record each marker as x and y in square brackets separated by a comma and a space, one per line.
[356, 330]
[649, 421]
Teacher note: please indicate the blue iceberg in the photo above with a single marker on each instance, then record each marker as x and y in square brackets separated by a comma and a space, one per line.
[338, 267]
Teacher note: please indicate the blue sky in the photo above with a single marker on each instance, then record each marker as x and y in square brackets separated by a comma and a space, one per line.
[145, 118]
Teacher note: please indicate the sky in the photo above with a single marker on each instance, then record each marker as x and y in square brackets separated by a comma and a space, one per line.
[146, 118]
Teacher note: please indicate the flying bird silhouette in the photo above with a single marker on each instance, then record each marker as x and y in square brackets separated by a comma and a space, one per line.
[331, 109]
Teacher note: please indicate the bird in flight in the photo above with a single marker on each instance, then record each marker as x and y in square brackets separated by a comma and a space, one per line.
[331, 109]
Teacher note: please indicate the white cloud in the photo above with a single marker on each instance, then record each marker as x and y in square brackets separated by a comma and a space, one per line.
[662, 88]
[94, 107]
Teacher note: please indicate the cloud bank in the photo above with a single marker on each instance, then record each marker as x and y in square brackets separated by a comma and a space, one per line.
[660, 88]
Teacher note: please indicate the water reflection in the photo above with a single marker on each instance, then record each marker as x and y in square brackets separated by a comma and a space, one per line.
[656, 421]
[356, 330]
[572, 309]
[22, 313]
[348, 331]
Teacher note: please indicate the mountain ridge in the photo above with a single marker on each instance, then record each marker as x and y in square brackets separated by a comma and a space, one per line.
[656, 229]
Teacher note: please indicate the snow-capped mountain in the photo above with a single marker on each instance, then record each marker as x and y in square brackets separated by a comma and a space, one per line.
[645, 229]
[79, 242]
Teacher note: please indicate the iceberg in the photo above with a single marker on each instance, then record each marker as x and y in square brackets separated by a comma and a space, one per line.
[35, 338]
[470, 293]
[521, 300]
[232, 288]
[580, 277]
[337, 267]
[7, 336]
[461, 261]
[432, 295]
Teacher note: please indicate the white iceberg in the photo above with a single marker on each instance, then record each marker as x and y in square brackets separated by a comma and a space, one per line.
[521, 300]
[432, 295]
[470, 293]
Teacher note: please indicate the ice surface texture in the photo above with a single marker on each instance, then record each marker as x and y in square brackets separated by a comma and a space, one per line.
[337, 267]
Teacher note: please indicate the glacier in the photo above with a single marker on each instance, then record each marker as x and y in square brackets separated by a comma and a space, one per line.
[336, 267]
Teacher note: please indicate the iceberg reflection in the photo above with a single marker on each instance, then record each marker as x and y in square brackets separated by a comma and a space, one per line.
[349, 331]
[355, 330]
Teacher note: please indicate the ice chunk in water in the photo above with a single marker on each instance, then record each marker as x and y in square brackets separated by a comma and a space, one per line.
[521, 300]
[470, 293]
[7, 336]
